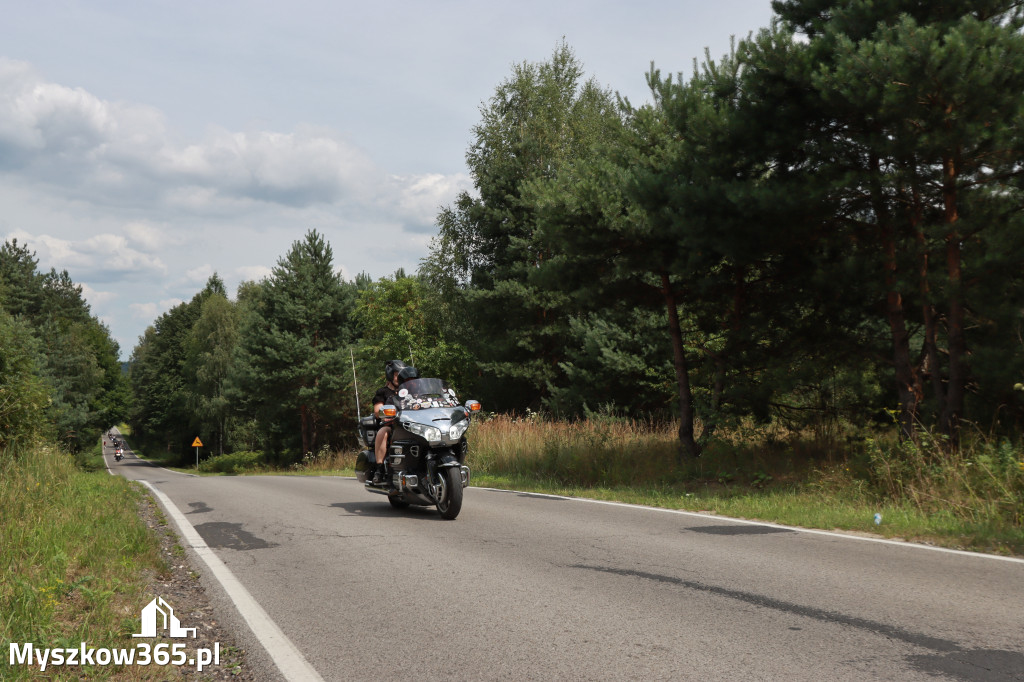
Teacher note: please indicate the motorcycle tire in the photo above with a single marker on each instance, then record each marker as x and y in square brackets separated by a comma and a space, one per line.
[451, 501]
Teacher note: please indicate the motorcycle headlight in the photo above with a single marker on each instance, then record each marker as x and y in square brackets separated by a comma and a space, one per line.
[432, 434]
[457, 429]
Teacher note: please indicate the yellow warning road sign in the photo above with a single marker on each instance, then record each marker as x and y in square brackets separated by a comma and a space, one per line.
[197, 443]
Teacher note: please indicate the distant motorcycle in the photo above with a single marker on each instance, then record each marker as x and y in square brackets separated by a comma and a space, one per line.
[118, 456]
[426, 459]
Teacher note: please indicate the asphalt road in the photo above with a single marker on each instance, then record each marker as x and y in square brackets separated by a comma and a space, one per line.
[529, 587]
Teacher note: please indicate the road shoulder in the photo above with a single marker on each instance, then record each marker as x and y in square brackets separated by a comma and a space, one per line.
[182, 587]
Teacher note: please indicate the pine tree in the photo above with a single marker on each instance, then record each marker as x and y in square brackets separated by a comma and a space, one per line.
[291, 362]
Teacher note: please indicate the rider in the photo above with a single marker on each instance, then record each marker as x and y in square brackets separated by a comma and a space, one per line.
[395, 372]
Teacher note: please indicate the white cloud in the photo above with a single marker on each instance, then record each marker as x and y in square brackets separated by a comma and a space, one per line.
[47, 126]
[199, 274]
[150, 311]
[101, 257]
[420, 197]
[109, 153]
[253, 273]
[95, 297]
[295, 169]
[144, 311]
[146, 236]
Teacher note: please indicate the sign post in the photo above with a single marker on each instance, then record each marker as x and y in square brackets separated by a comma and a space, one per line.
[197, 444]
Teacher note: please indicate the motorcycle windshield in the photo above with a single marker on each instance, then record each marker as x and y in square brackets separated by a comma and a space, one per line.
[421, 394]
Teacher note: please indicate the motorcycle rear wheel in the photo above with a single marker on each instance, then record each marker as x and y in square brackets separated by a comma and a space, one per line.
[450, 484]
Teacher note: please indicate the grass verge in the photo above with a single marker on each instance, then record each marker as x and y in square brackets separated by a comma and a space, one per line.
[75, 560]
[969, 499]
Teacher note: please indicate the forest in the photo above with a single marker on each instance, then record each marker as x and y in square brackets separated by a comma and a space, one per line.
[60, 377]
[822, 227]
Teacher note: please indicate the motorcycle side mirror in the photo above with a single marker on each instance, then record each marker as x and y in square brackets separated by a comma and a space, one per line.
[472, 406]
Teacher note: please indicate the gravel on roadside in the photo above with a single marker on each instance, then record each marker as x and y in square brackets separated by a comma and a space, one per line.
[181, 587]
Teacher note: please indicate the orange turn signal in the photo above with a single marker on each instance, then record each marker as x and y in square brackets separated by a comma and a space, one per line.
[388, 411]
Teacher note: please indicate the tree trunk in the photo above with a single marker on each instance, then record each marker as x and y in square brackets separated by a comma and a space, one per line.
[686, 439]
[731, 327]
[907, 381]
[717, 389]
[304, 418]
[949, 422]
[932, 366]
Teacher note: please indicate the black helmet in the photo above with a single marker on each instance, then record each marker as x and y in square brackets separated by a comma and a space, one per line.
[391, 368]
[407, 373]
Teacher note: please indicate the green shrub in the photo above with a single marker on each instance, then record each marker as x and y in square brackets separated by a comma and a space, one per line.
[91, 459]
[233, 463]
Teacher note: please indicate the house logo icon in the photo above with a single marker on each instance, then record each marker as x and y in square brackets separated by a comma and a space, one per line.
[159, 614]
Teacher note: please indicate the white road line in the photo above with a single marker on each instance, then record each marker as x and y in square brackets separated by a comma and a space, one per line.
[286, 656]
[811, 531]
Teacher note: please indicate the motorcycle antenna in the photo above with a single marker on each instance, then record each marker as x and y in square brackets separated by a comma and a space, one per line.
[355, 383]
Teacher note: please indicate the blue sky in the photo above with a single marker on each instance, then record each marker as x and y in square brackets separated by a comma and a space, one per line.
[146, 144]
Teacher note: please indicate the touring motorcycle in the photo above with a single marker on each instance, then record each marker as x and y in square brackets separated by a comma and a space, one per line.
[425, 463]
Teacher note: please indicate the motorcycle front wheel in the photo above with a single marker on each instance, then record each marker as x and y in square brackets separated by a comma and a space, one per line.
[448, 483]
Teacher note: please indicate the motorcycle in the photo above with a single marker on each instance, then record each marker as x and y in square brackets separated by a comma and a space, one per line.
[117, 455]
[426, 458]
